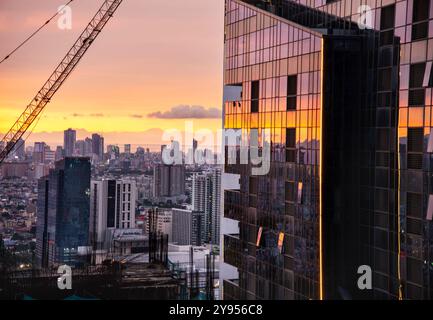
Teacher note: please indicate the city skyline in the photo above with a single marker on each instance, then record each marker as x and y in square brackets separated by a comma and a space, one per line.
[152, 139]
[144, 92]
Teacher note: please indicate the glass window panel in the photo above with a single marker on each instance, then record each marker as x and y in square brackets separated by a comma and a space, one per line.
[416, 117]
[387, 17]
[420, 10]
[284, 51]
[283, 87]
[304, 83]
[416, 75]
[292, 85]
[403, 117]
[284, 33]
[400, 13]
[404, 77]
[400, 33]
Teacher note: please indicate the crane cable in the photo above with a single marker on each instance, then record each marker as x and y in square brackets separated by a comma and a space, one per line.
[24, 42]
[34, 33]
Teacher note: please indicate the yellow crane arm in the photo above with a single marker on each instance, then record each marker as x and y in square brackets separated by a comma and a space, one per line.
[58, 77]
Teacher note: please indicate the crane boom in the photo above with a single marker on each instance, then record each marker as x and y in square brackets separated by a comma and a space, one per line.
[58, 77]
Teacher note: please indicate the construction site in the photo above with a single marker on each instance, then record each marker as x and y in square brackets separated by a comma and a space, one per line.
[144, 276]
[115, 281]
[128, 279]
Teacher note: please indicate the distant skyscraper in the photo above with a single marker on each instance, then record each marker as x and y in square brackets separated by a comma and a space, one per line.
[194, 145]
[113, 152]
[188, 227]
[206, 196]
[49, 155]
[139, 151]
[18, 150]
[88, 147]
[38, 152]
[59, 153]
[127, 148]
[69, 139]
[80, 148]
[62, 231]
[98, 145]
[169, 180]
[101, 149]
[194, 149]
[39, 147]
[162, 149]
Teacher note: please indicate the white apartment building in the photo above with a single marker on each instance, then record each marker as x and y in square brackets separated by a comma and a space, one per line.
[112, 206]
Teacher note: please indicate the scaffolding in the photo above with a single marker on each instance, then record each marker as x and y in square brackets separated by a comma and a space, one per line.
[158, 242]
[115, 280]
[196, 284]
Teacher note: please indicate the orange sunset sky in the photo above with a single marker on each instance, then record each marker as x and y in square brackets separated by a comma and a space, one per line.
[155, 63]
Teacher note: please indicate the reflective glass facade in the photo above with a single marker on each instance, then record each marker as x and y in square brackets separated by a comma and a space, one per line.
[63, 214]
[349, 109]
[278, 65]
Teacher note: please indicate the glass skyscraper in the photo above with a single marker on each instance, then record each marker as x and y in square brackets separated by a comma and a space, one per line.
[345, 89]
[63, 210]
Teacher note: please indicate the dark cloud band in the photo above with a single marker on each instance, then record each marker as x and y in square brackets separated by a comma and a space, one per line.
[187, 112]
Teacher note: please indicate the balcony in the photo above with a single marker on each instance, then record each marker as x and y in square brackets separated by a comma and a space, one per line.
[231, 290]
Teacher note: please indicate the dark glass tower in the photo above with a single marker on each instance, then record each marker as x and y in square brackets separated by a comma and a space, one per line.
[63, 214]
[349, 109]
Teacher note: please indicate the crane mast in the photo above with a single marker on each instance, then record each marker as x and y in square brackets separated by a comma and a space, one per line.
[58, 77]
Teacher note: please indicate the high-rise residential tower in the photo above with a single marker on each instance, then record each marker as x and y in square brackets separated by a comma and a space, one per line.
[59, 153]
[168, 181]
[19, 151]
[188, 227]
[98, 146]
[88, 147]
[127, 148]
[206, 197]
[80, 148]
[38, 152]
[112, 206]
[69, 139]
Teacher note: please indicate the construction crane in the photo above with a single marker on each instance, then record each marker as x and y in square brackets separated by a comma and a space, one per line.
[58, 77]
